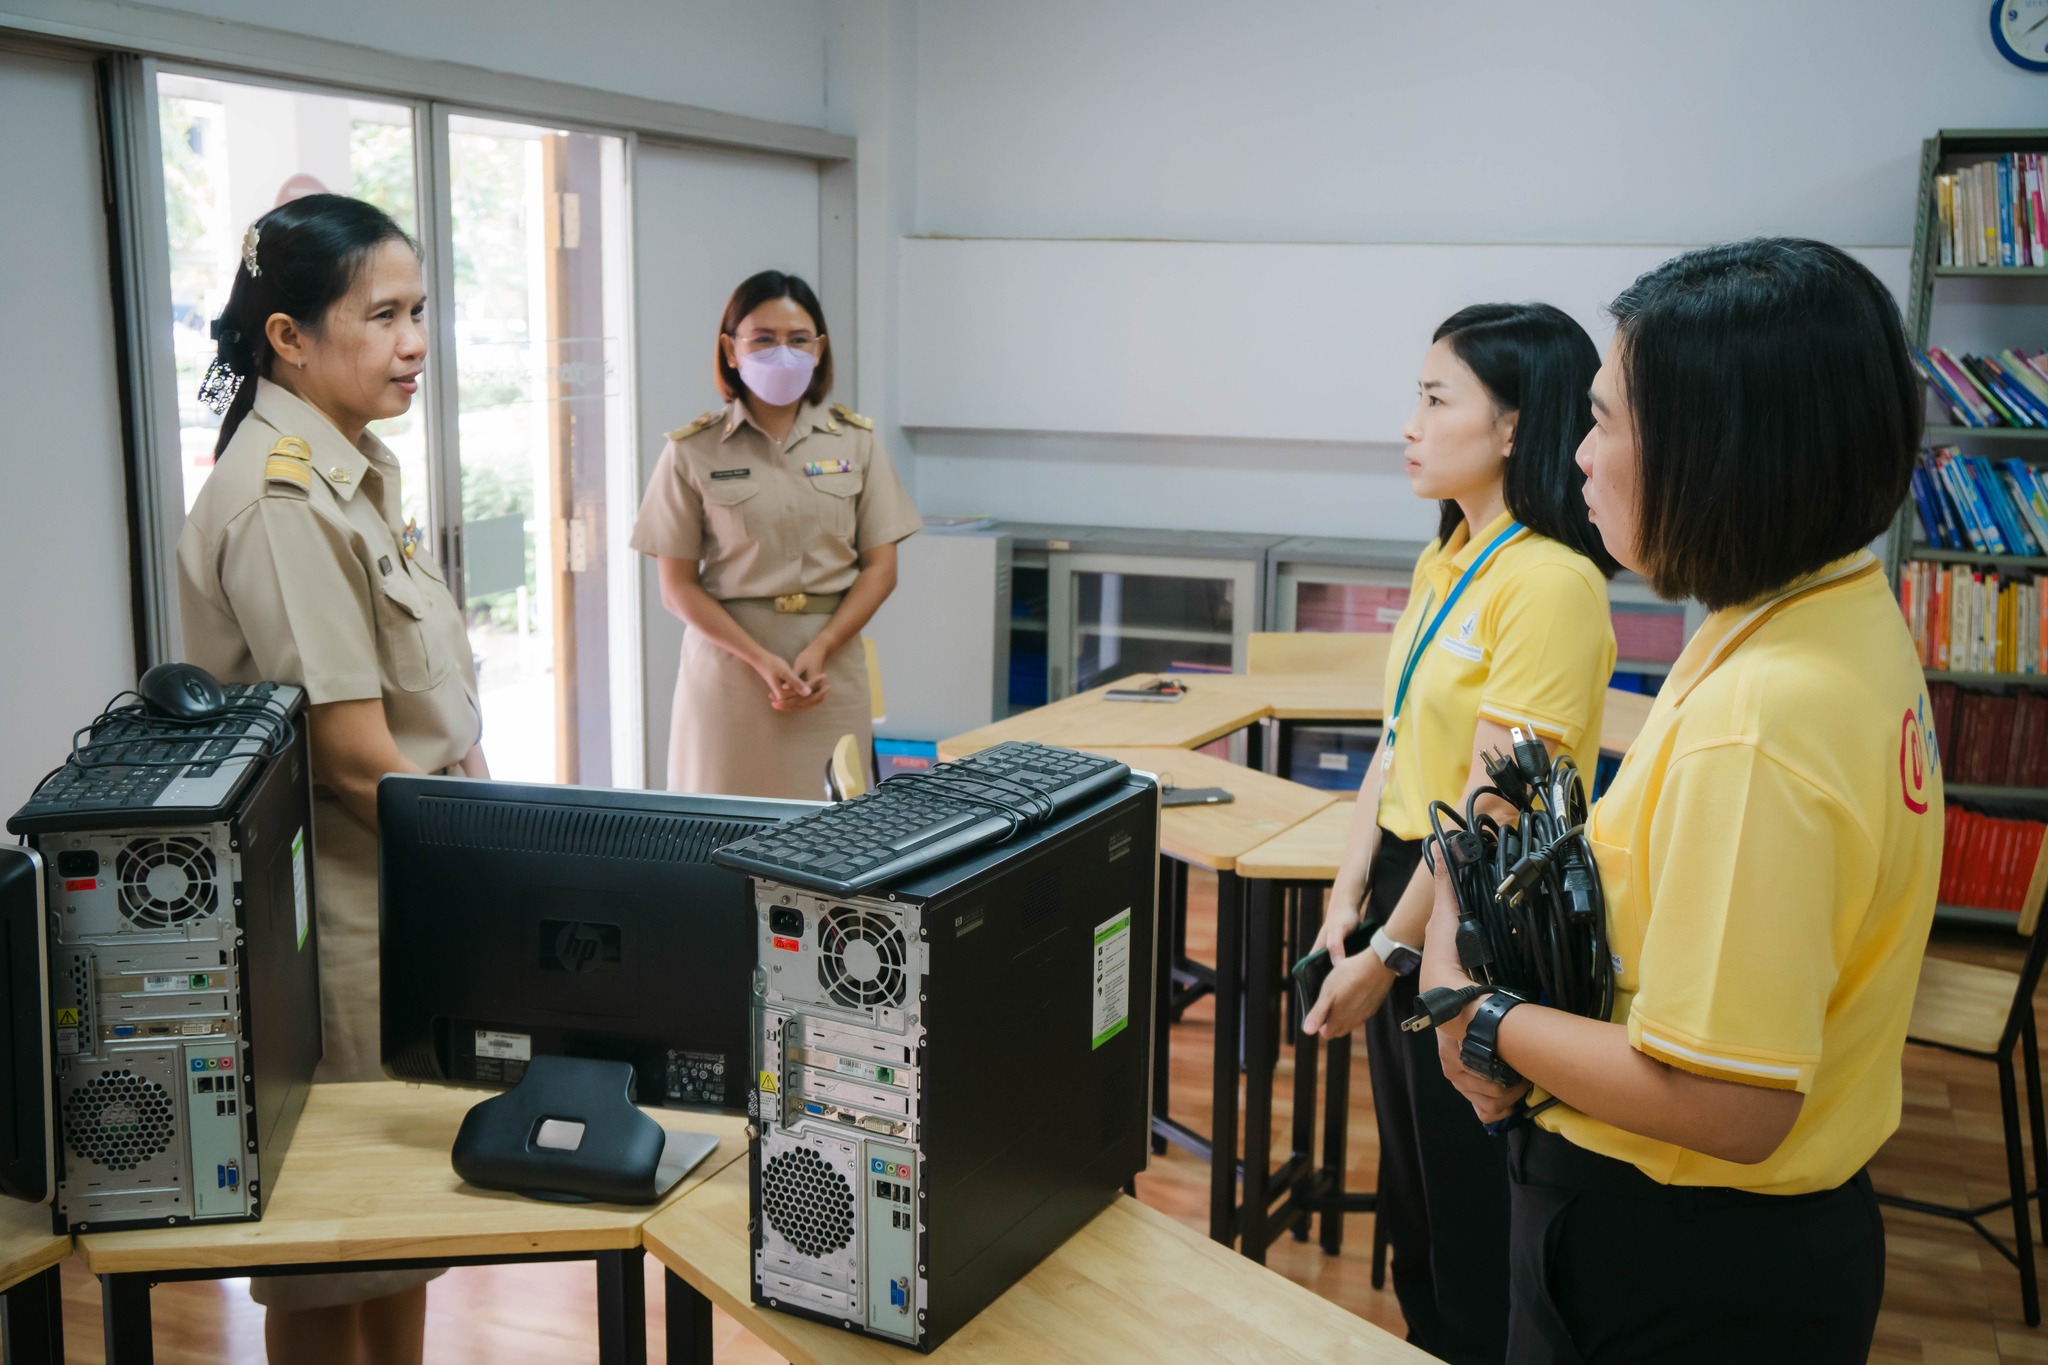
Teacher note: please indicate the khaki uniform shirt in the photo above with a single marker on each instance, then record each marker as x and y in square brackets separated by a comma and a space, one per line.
[292, 568]
[763, 519]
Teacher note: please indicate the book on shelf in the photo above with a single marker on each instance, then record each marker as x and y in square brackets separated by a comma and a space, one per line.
[1973, 620]
[2009, 389]
[1991, 212]
[1989, 863]
[1974, 504]
[1990, 739]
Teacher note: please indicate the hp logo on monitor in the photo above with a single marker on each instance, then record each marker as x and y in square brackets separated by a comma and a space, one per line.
[574, 945]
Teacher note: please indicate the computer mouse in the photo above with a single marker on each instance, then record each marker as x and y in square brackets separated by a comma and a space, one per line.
[182, 692]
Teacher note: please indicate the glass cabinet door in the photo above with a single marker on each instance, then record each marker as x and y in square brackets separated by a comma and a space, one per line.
[1116, 615]
[1339, 598]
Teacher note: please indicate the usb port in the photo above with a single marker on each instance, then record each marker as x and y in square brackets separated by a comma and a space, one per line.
[231, 1106]
[220, 1106]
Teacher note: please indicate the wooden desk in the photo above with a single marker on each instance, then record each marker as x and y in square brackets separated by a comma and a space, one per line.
[1086, 719]
[1292, 867]
[1131, 1286]
[367, 1184]
[1214, 836]
[30, 1297]
[1305, 852]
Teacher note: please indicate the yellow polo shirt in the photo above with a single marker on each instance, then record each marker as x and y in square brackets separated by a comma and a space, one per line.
[1769, 853]
[1530, 643]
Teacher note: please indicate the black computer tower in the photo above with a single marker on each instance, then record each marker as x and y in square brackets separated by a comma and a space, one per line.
[954, 1073]
[184, 991]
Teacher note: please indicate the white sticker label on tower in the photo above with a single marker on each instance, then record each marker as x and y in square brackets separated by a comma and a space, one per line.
[1112, 977]
[506, 1047]
[300, 918]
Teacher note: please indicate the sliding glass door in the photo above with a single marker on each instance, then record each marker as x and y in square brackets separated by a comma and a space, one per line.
[536, 223]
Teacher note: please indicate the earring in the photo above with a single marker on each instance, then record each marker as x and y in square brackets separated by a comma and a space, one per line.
[302, 362]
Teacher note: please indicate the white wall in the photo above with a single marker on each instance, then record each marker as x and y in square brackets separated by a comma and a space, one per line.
[764, 58]
[690, 256]
[1169, 353]
[65, 640]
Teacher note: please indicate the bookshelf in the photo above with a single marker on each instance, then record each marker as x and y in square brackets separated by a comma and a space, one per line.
[1970, 306]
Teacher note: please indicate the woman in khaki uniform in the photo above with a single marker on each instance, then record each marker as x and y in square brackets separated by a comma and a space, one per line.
[294, 566]
[775, 524]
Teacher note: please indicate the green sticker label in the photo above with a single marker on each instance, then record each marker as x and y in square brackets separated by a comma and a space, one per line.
[1112, 977]
[301, 917]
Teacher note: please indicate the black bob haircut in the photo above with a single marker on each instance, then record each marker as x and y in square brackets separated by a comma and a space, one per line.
[754, 291]
[1536, 362]
[1776, 415]
[309, 252]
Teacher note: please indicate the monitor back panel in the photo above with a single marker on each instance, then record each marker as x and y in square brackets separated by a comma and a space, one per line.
[523, 921]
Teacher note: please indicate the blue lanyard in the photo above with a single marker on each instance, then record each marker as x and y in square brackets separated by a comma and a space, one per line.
[1424, 635]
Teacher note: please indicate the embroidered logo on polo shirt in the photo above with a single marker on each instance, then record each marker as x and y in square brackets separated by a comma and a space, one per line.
[732, 473]
[1918, 757]
[1461, 644]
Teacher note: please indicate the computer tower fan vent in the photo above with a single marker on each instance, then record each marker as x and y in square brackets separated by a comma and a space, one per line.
[117, 1120]
[808, 1202]
[166, 880]
[861, 958]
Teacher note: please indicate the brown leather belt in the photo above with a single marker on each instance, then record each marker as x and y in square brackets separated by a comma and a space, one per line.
[797, 603]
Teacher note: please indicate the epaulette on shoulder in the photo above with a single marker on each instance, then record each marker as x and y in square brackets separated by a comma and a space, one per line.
[704, 420]
[289, 465]
[846, 414]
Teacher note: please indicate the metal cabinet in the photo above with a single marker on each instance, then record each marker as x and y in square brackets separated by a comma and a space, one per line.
[1323, 584]
[1091, 603]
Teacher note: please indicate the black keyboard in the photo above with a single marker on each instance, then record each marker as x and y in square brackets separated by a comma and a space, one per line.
[134, 762]
[918, 819]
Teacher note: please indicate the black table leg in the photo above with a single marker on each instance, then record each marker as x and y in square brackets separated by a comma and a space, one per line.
[689, 1321]
[1336, 1131]
[1306, 1048]
[1260, 1026]
[621, 1307]
[1223, 1129]
[32, 1321]
[1162, 1013]
[124, 1317]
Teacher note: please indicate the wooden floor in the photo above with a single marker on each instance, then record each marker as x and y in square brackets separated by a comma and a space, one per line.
[1949, 1298]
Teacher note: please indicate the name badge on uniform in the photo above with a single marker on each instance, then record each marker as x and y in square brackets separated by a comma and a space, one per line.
[817, 467]
[732, 473]
[409, 539]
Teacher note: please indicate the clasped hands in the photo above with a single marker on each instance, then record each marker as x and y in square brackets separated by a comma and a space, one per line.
[797, 685]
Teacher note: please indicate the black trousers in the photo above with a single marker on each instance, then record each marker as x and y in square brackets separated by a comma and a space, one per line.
[1610, 1266]
[1443, 1184]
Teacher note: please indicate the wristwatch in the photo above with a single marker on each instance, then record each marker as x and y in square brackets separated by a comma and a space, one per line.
[1401, 960]
[1483, 1037]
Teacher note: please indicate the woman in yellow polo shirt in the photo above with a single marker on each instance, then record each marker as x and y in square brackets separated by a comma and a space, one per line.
[1768, 852]
[1507, 625]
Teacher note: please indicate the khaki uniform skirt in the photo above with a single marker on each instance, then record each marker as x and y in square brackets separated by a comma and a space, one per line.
[724, 737]
[345, 910]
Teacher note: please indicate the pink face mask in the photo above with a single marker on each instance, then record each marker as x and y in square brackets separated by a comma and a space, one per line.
[778, 376]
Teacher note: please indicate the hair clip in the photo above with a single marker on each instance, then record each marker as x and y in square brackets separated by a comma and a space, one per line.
[218, 389]
[249, 240]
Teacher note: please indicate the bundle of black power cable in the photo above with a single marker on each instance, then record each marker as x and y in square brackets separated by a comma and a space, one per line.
[1531, 919]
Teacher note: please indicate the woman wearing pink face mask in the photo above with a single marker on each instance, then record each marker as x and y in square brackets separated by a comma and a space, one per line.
[774, 522]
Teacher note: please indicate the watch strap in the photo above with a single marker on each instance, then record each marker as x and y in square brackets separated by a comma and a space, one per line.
[1480, 1053]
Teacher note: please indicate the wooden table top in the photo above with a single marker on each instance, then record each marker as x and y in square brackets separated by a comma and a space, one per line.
[27, 1246]
[1131, 1286]
[368, 1178]
[1219, 703]
[1309, 852]
[1086, 719]
[1215, 836]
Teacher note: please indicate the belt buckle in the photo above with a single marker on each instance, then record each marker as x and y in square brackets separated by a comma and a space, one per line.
[791, 602]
